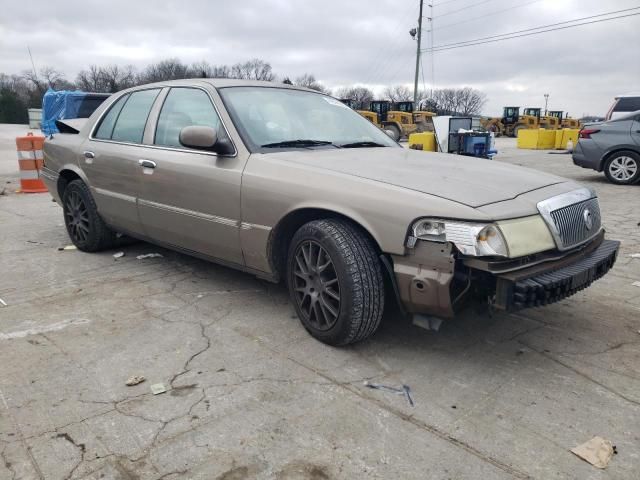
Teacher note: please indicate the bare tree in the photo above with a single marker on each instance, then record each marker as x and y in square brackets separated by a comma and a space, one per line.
[470, 101]
[454, 101]
[53, 78]
[201, 70]
[308, 80]
[398, 93]
[90, 80]
[118, 78]
[361, 96]
[48, 77]
[169, 69]
[255, 69]
[109, 79]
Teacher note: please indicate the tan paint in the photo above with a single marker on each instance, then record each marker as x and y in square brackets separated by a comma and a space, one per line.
[225, 208]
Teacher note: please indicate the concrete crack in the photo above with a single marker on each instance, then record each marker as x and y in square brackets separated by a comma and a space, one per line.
[583, 375]
[80, 446]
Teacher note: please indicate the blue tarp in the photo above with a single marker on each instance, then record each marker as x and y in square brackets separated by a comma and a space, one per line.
[65, 104]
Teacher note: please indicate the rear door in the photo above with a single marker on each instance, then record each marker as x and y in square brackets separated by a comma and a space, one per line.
[110, 158]
[190, 198]
[635, 130]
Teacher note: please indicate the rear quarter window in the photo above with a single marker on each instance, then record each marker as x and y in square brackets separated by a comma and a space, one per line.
[105, 130]
[133, 116]
[627, 104]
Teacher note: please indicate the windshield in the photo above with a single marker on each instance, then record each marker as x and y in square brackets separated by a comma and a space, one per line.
[270, 118]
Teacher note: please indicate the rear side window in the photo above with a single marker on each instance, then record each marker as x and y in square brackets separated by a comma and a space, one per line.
[133, 116]
[109, 120]
[627, 104]
[184, 107]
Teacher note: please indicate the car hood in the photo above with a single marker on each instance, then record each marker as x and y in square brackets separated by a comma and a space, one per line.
[470, 181]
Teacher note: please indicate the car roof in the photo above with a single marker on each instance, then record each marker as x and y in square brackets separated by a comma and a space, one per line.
[222, 83]
[627, 95]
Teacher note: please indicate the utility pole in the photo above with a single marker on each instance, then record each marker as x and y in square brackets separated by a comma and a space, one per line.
[419, 33]
[546, 101]
[433, 54]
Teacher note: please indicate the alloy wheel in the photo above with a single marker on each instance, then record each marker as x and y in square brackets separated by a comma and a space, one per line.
[623, 168]
[77, 217]
[316, 286]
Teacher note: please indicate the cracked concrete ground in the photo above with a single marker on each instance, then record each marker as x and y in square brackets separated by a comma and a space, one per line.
[251, 395]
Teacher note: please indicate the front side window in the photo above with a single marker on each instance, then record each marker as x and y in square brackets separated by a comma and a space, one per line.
[130, 124]
[268, 116]
[184, 107]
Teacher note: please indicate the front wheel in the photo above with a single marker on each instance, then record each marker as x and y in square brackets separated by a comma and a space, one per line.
[335, 281]
[623, 168]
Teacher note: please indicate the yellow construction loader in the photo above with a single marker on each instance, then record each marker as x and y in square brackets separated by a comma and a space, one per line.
[398, 118]
[565, 121]
[511, 121]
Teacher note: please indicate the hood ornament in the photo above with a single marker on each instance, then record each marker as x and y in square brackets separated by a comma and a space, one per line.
[588, 218]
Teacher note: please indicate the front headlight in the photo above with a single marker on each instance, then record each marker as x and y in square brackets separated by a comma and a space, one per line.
[475, 239]
[506, 238]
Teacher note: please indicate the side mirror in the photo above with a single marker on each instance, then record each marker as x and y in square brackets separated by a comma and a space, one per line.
[198, 136]
[390, 133]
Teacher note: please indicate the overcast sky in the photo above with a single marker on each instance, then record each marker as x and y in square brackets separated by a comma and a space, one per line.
[344, 42]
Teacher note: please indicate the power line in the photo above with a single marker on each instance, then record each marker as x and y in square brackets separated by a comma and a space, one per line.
[496, 12]
[380, 64]
[463, 9]
[538, 28]
[511, 35]
[444, 3]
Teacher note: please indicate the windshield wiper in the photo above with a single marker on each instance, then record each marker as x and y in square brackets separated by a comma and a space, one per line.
[300, 143]
[362, 144]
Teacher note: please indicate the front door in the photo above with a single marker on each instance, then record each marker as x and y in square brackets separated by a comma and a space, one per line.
[190, 198]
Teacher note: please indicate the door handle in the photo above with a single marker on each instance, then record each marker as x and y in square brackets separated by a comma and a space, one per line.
[147, 163]
[88, 154]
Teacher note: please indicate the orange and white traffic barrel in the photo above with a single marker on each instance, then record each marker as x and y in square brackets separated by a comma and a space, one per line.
[30, 160]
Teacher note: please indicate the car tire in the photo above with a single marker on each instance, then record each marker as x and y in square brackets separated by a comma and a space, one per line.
[335, 281]
[623, 168]
[395, 130]
[85, 227]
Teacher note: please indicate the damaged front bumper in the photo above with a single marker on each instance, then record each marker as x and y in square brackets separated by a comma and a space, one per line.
[549, 283]
[436, 281]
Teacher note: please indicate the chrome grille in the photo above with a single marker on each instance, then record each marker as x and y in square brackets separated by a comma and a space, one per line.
[571, 224]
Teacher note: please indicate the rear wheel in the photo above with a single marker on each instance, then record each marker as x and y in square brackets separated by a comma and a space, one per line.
[623, 168]
[335, 281]
[85, 227]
